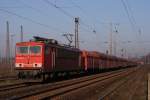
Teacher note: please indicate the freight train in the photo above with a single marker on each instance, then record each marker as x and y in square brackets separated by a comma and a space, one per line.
[45, 58]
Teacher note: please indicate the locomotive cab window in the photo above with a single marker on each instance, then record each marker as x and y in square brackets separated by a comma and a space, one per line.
[35, 49]
[22, 49]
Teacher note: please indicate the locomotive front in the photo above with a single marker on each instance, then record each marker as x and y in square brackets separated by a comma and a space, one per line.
[29, 59]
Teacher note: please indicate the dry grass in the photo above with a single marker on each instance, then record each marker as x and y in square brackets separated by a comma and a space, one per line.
[6, 68]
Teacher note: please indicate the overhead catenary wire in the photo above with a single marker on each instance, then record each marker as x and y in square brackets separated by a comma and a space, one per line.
[80, 8]
[60, 9]
[128, 15]
[35, 9]
[85, 13]
[133, 18]
[90, 17]
[12, 7]
[87, 26]
[30, 20]
[135, 27]
[68, 14]
[130, 10]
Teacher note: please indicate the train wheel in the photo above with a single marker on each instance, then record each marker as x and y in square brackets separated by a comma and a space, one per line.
[20, 75]
[43, 77]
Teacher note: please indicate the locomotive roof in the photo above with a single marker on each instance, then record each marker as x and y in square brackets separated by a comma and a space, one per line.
[30, 42]
[41, 43]
[48, 44]
[65, 47]
[54, 43]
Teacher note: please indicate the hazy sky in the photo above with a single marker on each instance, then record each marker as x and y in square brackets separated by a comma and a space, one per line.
[52, 18]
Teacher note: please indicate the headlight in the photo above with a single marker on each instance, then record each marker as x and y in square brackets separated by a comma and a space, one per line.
[37, 65]
[19, 65]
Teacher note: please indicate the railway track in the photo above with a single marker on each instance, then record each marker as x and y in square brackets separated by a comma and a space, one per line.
[105, 95]
[11, 88]
[60, 92]
[15, 86]
[129, 88]
[59, 89]
[5, 78]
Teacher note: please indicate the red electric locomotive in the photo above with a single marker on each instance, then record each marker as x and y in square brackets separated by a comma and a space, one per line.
[44, 57]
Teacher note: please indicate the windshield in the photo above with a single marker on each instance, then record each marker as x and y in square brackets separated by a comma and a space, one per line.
[22, 49]
[28, 50]
[35, 49]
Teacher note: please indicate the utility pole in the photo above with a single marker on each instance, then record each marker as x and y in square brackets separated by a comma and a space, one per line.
[122, 52]
[11, 51]
[125, 53]
[110, 45]
[21, 34]
[77, 32]
[115, 40]
[115, 44]
[0, 57]
[12, 47]
[112, 40]
[7, 42]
